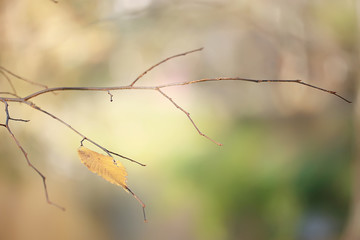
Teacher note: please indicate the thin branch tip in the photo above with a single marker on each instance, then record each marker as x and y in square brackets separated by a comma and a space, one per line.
[139, 201]
[188, 115]
[163, 61]
[19, 119]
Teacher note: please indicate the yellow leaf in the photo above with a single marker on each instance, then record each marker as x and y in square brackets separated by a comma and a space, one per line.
[104, 166]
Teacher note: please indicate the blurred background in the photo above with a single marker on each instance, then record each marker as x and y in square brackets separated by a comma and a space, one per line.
[289, 166]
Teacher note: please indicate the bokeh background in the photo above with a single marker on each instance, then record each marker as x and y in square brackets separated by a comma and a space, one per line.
[289, 165]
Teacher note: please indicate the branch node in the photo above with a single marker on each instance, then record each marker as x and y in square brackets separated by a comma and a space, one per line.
[82, 141]
[111, 96]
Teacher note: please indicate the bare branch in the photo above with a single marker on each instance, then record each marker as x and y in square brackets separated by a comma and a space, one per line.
[161, 62]
[158, 88]
[188, 115]
[253, 80]
[58, 89]
[44, 91]
[139, 200]
[26, 157]
[324, 90]
[23, 79]
[9, 80]
[9, 93]
[19, 120]
[131, 160]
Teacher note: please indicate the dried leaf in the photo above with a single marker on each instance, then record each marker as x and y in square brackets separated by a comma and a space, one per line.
[104, 166]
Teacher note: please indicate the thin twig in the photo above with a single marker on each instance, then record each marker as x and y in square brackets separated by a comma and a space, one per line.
[253, 80]
[157, 88]
[9, 80]
[188, 115]
[19, 120]
[324, 90]
[161, 62]
[23, 79]
[27, 158]
[10, 93]
[131, 160]
[139, 200]
[79, 133]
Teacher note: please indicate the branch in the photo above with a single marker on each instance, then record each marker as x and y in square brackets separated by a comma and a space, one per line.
[158, 88]
[6, 125]
[255, 81]
[10, 93]
[188, 115]
[9, 80]
[21, 78]
[107, 89]
[163, 61]
[139, 200]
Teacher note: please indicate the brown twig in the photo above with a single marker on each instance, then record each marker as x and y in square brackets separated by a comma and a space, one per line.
[9, 80]
[255, 81]
[139, 200]
[58, 89]
[10, 93]
[161, 62]
[188, 115]
[23, 79]
[6, 125]
[31, 104]
[158, 88]
[131, 160]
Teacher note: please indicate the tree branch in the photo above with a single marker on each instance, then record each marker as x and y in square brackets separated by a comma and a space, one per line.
[21, 78]
[163, 61]
[10, 82]
[26, 100]
[6, 125]
[188, 115]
